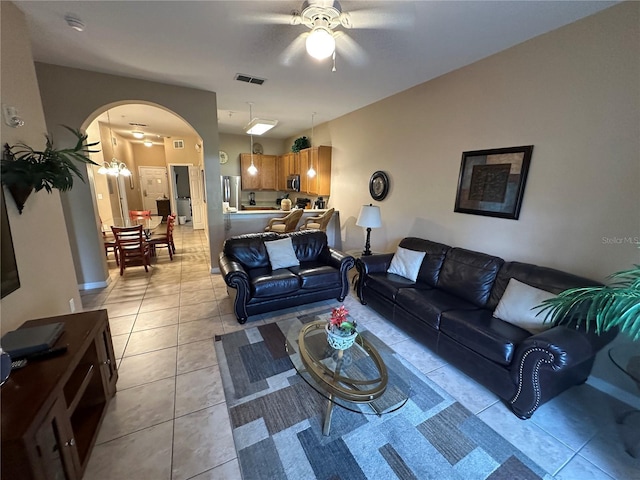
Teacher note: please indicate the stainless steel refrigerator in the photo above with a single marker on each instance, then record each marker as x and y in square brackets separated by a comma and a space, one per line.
[231, 187]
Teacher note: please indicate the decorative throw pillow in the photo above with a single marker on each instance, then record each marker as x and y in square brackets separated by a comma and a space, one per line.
[281, 253]
[517, 303]
[406, 263]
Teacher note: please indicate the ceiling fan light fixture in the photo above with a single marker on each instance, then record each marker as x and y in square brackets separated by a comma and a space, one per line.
[258, 126]
[320, 43]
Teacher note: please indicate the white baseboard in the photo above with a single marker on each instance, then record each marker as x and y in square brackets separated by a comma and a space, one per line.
[92, 285]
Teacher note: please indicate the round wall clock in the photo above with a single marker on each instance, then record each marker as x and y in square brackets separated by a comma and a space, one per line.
[224, 158]
[379, 185]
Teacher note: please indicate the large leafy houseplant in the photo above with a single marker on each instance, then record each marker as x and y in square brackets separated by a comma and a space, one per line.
[300, 144]
[603, 308]
[25, 169]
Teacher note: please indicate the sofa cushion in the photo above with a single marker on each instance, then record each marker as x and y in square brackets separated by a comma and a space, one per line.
[273, 283]
[545, 278]
[308, 244]
[316, 276]
[388, 284]
[428, 305]
[517, 307]
[406, 263]
[469, 275]
[484, 334]
[432, 262]
[249, 249]
[281, 254]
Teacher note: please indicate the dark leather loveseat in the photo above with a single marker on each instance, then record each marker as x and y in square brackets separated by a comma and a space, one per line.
[450, 309]
[255, 288]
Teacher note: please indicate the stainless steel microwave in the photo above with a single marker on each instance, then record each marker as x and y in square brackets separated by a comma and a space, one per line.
[293, 183]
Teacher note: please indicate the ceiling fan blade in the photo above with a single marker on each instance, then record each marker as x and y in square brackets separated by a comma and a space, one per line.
[267, 19]
[294, 49]
[377, 18]
[350, 49]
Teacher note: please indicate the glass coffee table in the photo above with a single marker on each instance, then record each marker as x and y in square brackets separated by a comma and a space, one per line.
[356, 379]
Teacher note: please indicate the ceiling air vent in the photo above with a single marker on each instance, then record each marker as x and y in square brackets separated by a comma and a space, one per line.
[178, 144]
[241, 77]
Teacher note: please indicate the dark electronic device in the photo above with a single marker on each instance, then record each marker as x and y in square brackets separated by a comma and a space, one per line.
[25, 342]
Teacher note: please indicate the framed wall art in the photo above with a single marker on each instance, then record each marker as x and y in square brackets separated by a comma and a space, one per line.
[492, 182]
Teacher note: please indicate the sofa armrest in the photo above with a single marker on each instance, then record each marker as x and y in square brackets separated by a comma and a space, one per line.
[341, 261]
[235, 276]
[548, 363]
[378, 263]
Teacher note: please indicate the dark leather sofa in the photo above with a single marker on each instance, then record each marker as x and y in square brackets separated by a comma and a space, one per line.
[255, 288]
[450, 308]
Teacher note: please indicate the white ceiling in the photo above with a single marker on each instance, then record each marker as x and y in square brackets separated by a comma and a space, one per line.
[204, 44]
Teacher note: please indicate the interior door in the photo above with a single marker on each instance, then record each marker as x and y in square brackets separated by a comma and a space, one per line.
[153, 185]
[197, 197]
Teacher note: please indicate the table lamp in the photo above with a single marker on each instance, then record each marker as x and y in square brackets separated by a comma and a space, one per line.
[369, 218]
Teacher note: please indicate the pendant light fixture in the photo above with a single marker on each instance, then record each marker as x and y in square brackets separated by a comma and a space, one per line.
[311, 172]
[115, 168]
[252, 168]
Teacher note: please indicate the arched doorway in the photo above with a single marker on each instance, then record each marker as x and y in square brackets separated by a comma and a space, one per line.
[64, 105]
[148, 158]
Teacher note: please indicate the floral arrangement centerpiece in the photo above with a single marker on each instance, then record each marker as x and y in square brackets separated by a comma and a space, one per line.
[341, 330]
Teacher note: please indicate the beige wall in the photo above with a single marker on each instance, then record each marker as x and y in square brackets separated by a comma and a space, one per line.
[153, 156]
[187, 155]
[573, 93]
[43, 255]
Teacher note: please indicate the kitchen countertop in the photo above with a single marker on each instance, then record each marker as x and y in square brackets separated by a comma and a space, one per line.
[272, 212]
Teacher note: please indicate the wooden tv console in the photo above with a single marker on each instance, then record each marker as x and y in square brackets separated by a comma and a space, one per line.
[52, 409]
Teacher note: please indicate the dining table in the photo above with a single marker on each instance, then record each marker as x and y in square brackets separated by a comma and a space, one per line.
[149, 223]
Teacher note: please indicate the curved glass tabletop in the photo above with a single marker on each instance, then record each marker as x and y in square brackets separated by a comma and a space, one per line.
[627, 359]
[356, 378]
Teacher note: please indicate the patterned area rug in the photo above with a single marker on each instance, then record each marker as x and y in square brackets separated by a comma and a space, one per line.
[277, 422]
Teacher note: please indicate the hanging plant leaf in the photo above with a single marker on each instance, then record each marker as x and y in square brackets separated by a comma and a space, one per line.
[24, 169]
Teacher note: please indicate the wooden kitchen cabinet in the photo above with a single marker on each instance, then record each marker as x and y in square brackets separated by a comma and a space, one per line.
[52, 409]
[265, 179]
[288, 164]
[320, 159]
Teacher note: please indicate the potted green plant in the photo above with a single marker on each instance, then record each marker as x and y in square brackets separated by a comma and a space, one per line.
[604, 307]
[300, 144]
[25, 169]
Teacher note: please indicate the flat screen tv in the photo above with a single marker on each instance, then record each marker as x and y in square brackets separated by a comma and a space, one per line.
[8, 266]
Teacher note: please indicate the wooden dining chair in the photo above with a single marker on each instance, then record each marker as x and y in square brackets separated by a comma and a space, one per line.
[133, 249]
[318, 222]
[285, 224]
[164, 239]
[110, 246]
[139, 213]
[109, 243]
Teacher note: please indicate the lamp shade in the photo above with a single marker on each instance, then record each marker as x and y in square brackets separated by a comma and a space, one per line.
[369, 217]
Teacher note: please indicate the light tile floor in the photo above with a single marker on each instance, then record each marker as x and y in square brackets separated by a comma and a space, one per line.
[169, 418]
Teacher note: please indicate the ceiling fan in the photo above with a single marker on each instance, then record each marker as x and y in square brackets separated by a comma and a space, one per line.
[321, 18]
[325, 18]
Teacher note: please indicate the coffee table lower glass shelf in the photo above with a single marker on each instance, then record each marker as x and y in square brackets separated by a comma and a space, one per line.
[355, 379]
